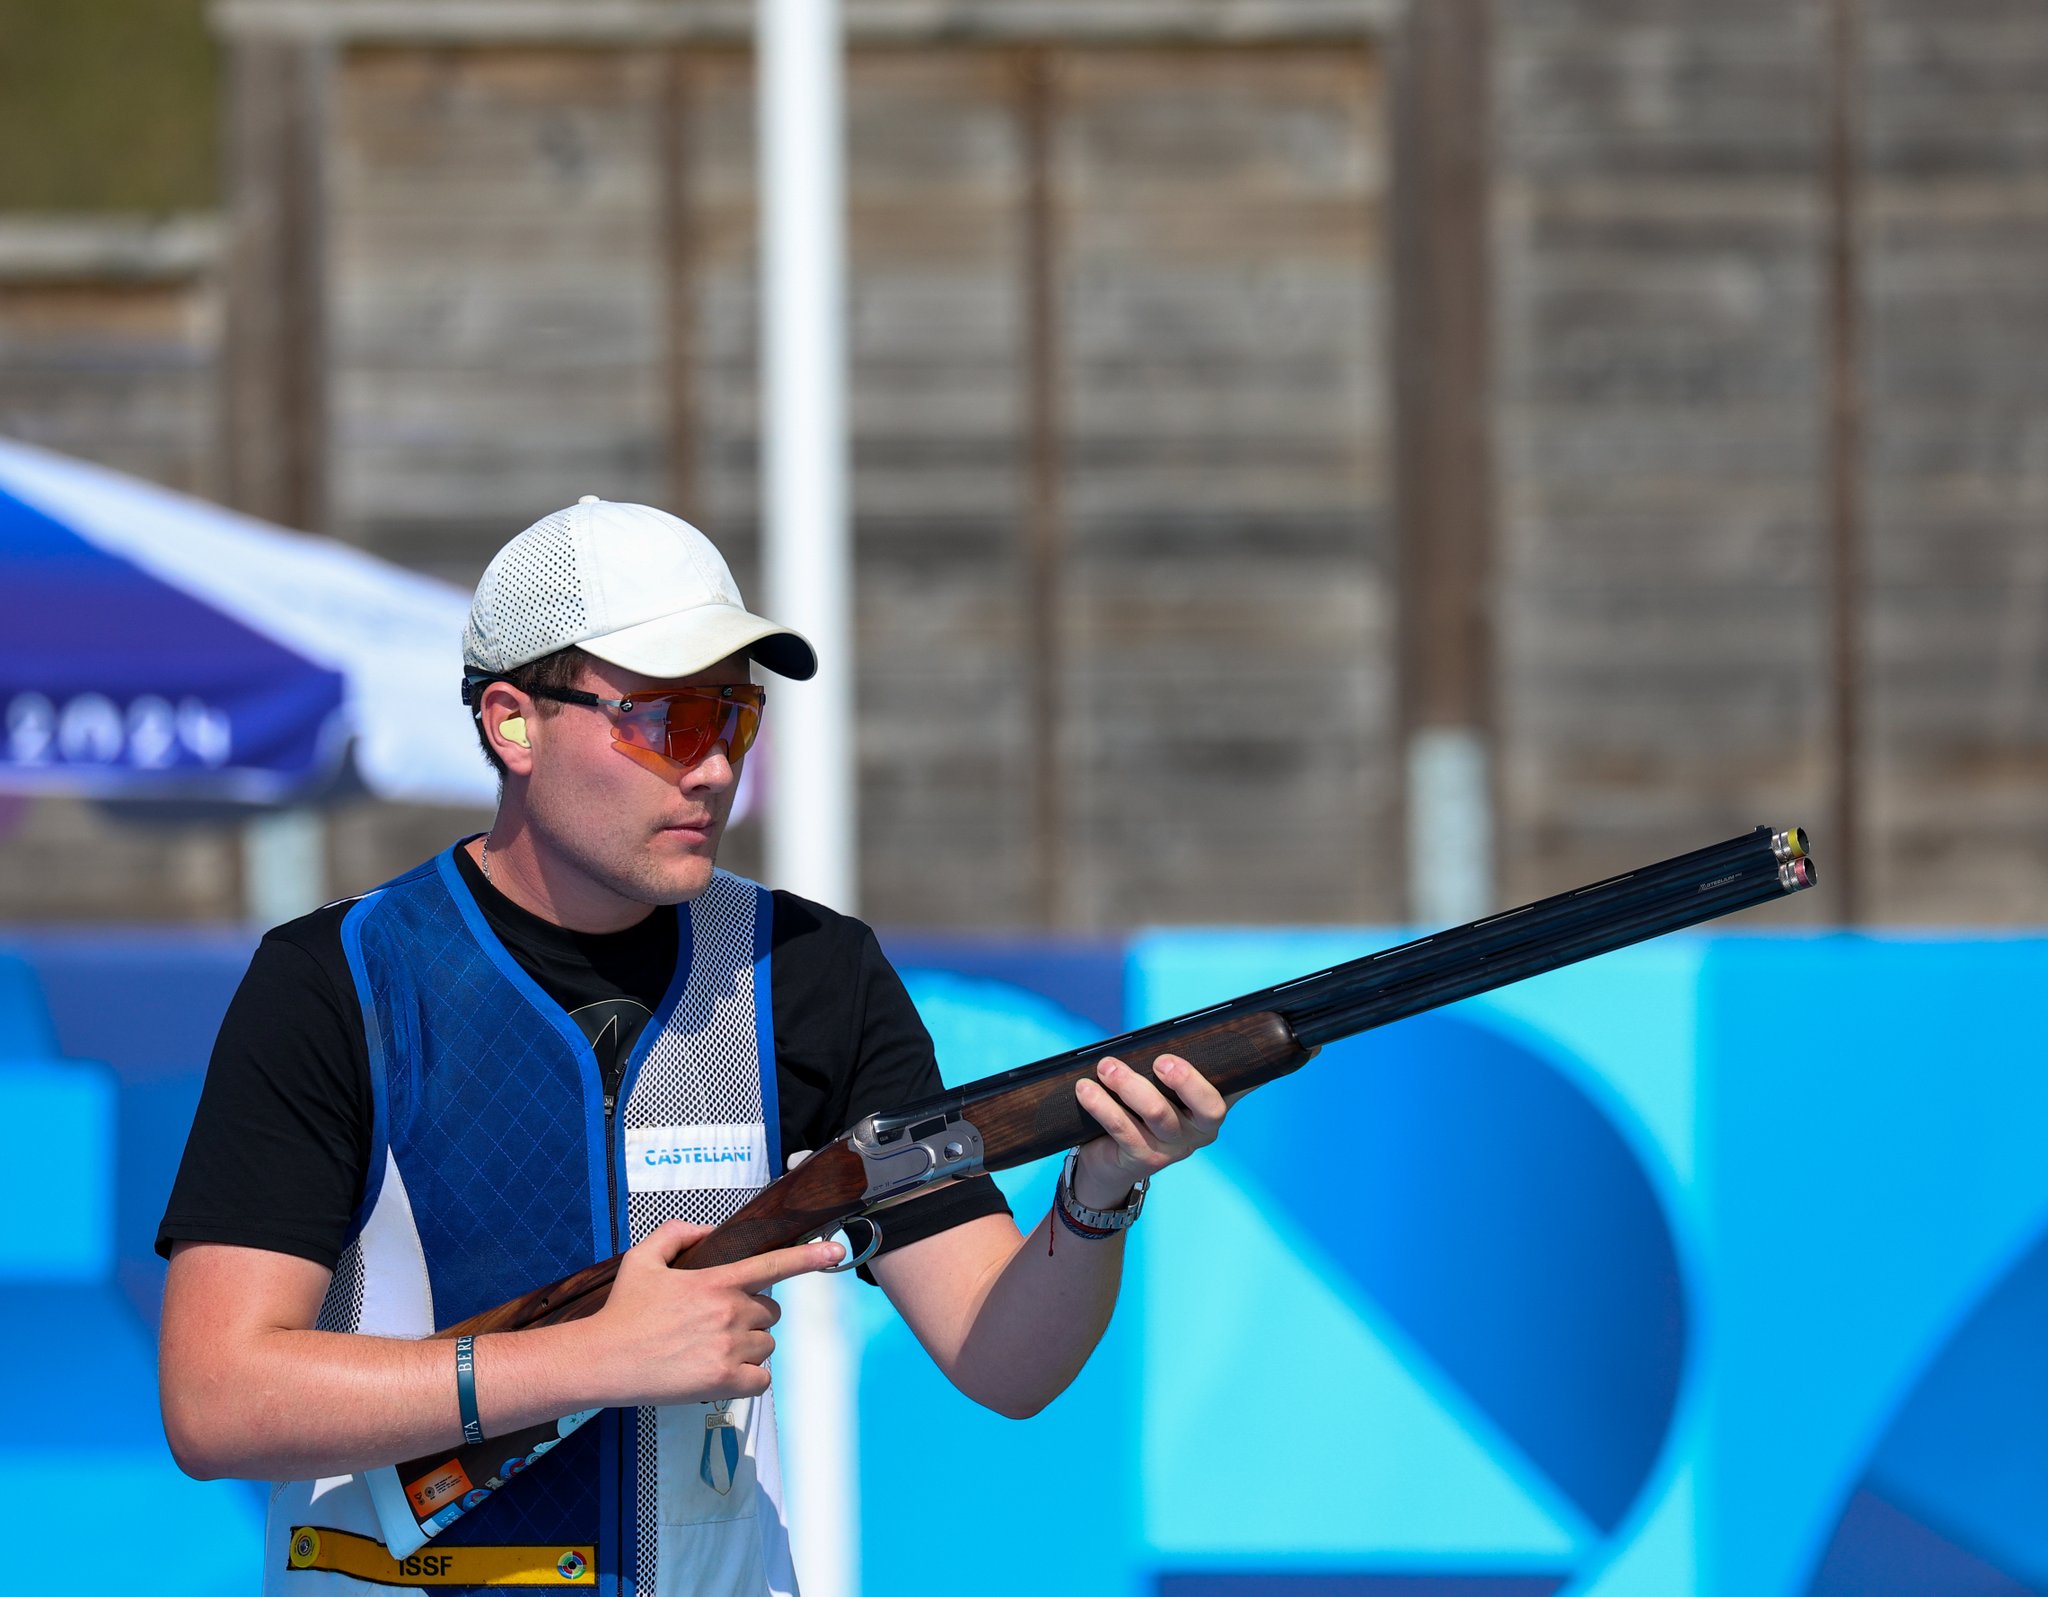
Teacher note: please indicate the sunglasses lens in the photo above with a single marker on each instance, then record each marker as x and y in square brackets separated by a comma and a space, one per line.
[695, 726]
[686, 725]
[739, 736]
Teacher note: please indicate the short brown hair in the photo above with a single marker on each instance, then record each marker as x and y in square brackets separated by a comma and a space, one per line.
[558, 670]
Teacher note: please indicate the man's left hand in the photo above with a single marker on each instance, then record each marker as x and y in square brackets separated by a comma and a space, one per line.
[1144, 1129]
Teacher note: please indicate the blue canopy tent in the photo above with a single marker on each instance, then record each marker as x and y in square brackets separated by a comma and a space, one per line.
[164, 655]
[156, 647]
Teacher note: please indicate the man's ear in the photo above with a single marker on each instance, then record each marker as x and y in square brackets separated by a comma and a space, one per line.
[504, 709]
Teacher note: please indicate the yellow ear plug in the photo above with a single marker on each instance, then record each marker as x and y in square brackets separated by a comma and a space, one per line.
[513, 730]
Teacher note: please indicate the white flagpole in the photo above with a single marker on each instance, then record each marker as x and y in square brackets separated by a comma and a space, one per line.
[806, 533]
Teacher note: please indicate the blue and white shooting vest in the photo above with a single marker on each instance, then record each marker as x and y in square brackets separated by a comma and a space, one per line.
[493, 1171]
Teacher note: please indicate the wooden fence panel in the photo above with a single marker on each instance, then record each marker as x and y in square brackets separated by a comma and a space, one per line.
[1956, 467]
[1662, 604]
[1228, 666]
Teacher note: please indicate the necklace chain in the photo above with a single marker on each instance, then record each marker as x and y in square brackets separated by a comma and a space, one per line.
[484, 859]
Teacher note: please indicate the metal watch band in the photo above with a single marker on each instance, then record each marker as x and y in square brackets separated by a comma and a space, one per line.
[1102, 1220]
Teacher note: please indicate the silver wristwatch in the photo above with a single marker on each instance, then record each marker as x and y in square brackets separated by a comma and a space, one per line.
[1097, 1219]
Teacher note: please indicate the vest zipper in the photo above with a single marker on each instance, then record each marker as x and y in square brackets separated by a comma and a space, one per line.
[613, 1076]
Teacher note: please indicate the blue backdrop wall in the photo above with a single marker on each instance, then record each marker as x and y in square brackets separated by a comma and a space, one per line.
[1717, 1266]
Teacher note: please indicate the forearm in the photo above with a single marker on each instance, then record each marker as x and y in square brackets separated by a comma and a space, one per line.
[1041, 1320]
[1010, 1320]
[299, 1405]
[1045, 1310]
[249, 1390]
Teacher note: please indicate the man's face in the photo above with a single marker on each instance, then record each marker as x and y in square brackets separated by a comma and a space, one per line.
[643, 828]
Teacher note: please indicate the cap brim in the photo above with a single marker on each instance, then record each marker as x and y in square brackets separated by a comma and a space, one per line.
[690, 641]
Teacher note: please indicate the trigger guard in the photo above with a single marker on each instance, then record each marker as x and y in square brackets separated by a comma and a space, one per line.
[855, 1259]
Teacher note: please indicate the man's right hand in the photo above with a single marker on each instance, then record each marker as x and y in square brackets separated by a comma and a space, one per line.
[668, 1335]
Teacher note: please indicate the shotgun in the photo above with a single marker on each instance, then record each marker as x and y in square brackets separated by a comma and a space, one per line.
[1029, 1112]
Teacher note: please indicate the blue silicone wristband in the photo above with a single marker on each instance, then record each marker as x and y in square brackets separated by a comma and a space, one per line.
[465, 1389]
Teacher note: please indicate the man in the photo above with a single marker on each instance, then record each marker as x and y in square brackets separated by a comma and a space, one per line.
[566, 1036]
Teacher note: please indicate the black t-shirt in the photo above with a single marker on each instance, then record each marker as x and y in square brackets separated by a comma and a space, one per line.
[281, 1142]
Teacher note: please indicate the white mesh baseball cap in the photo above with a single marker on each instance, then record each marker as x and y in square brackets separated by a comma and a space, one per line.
[628, 583]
